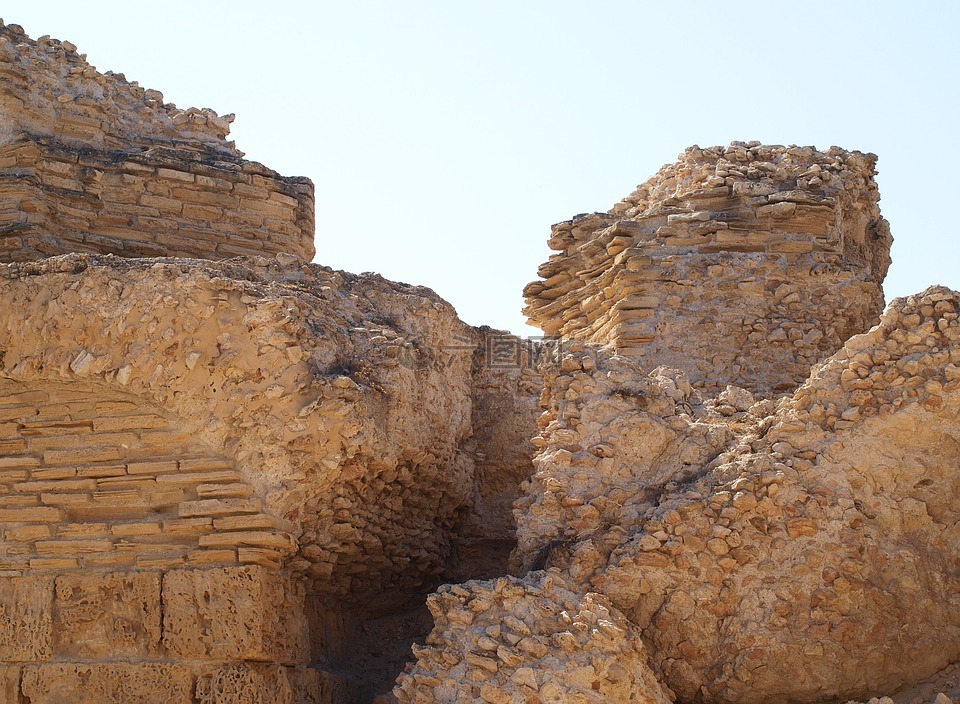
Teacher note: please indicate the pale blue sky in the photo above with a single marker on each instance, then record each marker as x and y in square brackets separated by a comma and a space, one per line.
[446, 137]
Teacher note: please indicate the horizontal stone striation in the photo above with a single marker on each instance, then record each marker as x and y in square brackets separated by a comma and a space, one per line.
[225, 635]
[742, 265]
[163, 202]
[91, 163]
[90, 482]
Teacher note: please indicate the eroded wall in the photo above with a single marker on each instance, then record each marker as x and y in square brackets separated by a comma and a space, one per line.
[169, 414]
[742, 265]
[811, 560]
[101, 480]
[92, 163]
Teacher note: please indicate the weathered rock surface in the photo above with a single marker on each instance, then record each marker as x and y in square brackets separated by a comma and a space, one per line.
[92, 163]
[819, 561]
[514, 640]
[812, 560]
[237, 481]
[277, 414]
[211, 466]
[612, 436]
[740, 265]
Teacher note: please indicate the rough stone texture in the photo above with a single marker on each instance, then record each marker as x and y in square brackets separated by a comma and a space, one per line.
[507, 380]
[98, 479]
[233, 482]
[942, 688]
[344, 430]
[25, 618]
[146, 683]
[10, 684]
[261, 684]
[746, 594]
[612, 436]
[268, 413]
[107, 615]
[92, 163]
[742, 265]
[534, 640]
[233, 613]
[163, 422]
[813, 560]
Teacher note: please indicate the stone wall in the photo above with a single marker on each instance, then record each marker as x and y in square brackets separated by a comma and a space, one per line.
[794, 551]
[91, 163]
[49, 88]
[175, 414]
[742, 265]
[233, 482]
[232, 634]
[91, 480]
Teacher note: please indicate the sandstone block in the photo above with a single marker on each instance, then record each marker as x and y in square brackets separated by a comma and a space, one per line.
[107, 615]
[261, 684]
[243, 612]
[219, 507]
[10, 684]
[144, 683]
[30, 515]
[26, 618]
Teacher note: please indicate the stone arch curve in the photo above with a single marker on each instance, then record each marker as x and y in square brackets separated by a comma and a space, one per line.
[228, 357]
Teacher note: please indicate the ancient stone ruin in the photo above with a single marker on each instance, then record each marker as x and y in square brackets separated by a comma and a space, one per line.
[229, 475]
[95, 164]
[745, 265]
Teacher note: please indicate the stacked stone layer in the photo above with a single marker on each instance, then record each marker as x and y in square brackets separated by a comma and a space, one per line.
[742, 265]
[92, 163]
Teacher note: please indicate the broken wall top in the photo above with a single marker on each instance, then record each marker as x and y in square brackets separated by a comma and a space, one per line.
[771, 174]
[50, 89]
[740, 265]
[92, 163]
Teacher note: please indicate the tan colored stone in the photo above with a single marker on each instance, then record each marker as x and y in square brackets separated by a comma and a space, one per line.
[598, 655]
[10, 684]
[95, 683]
[26, 611]
[722, 253]
[107, 615]
[233, 613]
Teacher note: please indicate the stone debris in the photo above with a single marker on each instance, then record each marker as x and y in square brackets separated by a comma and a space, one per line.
[727, 478]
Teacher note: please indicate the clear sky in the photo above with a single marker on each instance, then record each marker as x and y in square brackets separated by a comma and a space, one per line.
[446, 136]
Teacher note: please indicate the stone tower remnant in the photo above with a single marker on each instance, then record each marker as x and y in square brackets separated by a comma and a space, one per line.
[742, 265]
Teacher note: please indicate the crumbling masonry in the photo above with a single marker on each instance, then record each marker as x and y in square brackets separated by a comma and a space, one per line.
[231, 480]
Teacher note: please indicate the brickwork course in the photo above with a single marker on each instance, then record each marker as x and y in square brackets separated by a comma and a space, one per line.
[230, 475]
